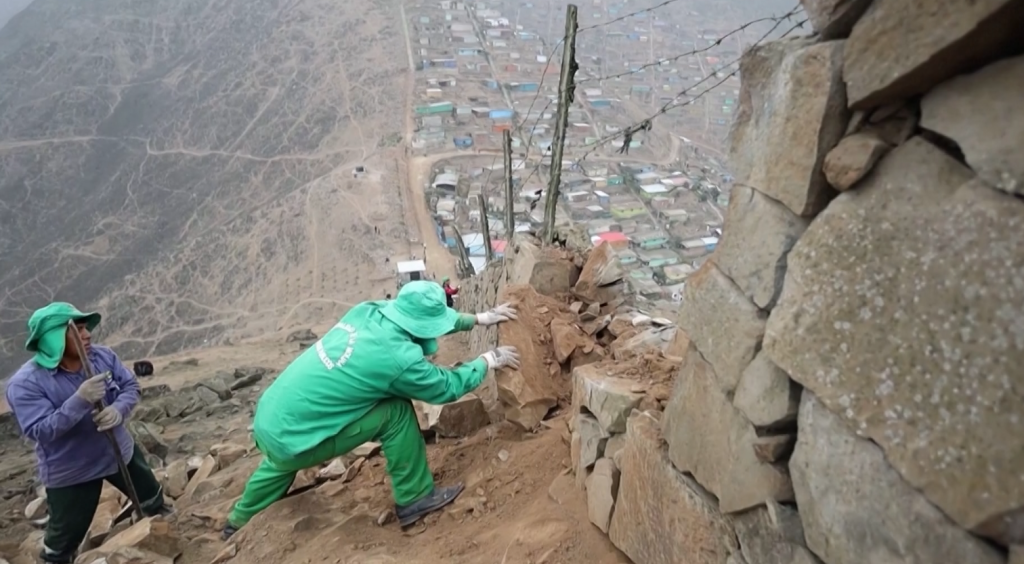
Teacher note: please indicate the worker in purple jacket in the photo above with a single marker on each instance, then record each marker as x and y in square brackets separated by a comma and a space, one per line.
[55, 405]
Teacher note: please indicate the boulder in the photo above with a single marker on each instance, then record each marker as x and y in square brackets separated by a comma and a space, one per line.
[544, 269]
[602, 487]
[801, 82]
[426, 414]
[148, 437]
[207, 469]
[151, 535]
[592, 442]
[608, 398]
[103, 521]
[207, 397]
[462, 417]
[566, 338]
[614, 444]
[852, 158]
[725, 325]
[765, 395]
[833, 19]
[772, 534]
[711, 439]
[979, 113]
[904, 322]
[219, 384]
[599, 282]
[334, 470]
[661, 516]
[634, 344]
[527, 393]
[901, 48]
[36, 509]
[227, 453]
[177, 478]
[302, 335]
[366, 450]
[856, 508]
[759, 233]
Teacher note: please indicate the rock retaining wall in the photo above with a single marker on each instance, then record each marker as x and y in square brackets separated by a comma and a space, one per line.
[849, 386]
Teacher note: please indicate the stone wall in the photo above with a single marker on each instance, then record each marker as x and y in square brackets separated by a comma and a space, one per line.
[849, 387]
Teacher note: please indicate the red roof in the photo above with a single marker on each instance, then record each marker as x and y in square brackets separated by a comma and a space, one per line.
[498, 245]
[613, 236]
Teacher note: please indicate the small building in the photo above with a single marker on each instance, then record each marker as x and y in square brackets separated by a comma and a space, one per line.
[616, 239]
[500, 114]
[698, 246]
[410, 270]
[649, 191]
[435, 108]
[649, 177]
[628, 210]
[650, 239]
[656, 258]
[446, 181]
[677, 273]
[628, 257]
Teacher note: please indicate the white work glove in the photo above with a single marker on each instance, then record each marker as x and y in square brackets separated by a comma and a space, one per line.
[504, 312]
[502, 357]
[107, 418]
[93, 389]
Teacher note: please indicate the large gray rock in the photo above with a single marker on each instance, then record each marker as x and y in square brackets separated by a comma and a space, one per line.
[981, 112]
[726, 326]
[759, 233]
[792, 90]
[902, 311]
[772, 534]
[711, 439]
[545, 269]
[599, 280]
[602, 488]
[901, 48]
[765, 395]
[853, 158]
[833, 19]
[661, 516]
[855, 508]
[608, 398]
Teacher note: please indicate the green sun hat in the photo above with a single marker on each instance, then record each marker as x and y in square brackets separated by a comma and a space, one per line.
[421, 310]
[47, 327]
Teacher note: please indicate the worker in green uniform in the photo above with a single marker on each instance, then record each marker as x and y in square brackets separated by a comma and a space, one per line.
[354, 386]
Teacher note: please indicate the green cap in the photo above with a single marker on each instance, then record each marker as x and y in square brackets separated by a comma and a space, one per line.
[47, 327]
[420, 309]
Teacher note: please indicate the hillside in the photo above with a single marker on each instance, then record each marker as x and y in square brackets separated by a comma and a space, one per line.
[155, 150]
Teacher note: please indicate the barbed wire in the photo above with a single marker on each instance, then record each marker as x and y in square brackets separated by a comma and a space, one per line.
[626, 17]
[702, 50]
[646, 123]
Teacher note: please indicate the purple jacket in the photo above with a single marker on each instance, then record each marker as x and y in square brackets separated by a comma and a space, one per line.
[69, 448]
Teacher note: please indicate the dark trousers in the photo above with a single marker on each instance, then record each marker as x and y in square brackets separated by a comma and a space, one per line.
[72, 508]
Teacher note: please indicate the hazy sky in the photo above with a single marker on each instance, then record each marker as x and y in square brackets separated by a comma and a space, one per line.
[10, 7]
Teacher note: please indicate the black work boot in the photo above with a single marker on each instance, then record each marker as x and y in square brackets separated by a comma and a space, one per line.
[440, 497]
[228, 532]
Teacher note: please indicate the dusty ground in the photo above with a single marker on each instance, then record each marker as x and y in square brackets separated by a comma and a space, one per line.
[520, 504]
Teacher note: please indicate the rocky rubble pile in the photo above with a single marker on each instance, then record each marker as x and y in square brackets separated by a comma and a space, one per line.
[569, 317]
[849, 349]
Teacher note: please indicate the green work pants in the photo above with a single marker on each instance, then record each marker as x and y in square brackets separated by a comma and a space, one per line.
[392, 422]
[72, 508]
